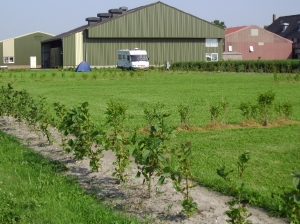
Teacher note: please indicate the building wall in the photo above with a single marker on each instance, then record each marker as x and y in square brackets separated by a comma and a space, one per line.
[69, 52]
[103, 52]
[22, 48]
[266, 45]
[234, 56]
[1, 53]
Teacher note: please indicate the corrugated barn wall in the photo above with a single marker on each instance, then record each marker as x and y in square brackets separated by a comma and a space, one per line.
[22, 48]
[1, 53]
[167, 34]
[103, 51]
[265, 45]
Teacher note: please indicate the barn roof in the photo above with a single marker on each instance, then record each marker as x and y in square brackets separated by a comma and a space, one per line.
[26, 35]
[87, 26]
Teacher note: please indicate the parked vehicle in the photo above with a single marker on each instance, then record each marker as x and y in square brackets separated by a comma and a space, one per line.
[133, 59]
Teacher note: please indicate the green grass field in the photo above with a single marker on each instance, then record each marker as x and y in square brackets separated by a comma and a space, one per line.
[32, 190]
[275, 150]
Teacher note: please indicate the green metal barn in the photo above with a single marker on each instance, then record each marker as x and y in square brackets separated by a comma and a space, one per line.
[167, 34]
[23, 51]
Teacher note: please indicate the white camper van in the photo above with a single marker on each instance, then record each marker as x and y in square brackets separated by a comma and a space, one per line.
[133, 59]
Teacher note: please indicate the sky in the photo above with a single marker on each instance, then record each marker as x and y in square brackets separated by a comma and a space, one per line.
[20, 17]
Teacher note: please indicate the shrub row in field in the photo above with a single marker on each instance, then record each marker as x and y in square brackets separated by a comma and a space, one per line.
[260, 66]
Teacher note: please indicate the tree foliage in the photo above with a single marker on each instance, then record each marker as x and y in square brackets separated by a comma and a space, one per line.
[219, 23]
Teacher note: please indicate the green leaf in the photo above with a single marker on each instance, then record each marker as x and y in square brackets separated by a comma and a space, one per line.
[146, 153]
[161, 180]
[138, 175]
[161, 157]
[131, 150]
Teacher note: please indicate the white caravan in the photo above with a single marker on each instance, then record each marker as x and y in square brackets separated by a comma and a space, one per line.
[133, 59]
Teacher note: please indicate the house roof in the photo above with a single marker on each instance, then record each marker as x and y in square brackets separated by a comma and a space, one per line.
[233, 29]
[292, 30]
[81, 28]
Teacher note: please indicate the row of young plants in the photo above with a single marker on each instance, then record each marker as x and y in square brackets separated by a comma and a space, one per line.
[260, 111]
[260, 66]
[85, 139]
[286, 77]
[150, 146]
[98, 74]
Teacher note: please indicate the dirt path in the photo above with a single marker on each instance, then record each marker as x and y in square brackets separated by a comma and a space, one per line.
[163, 207]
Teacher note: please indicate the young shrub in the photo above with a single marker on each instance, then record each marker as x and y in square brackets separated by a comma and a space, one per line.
[183, 172]
[265, 103]
[249, 111]
[292, 200]
[297, 77]
[42, 76]
[151, 152]
[95, 76]
[53, 76]
[85, 76]
[215, 112]
[238, 213]
[116, 139]
[225, 108]
[61, 113]
[87, 136]
[44, 118]
[184, 115]
[275, 76]
[284, 110]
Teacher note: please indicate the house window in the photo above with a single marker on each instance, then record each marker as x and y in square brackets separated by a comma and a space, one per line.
[7, 60]
[211, 56]
[211, 42]
[251, 49]
[229, 48]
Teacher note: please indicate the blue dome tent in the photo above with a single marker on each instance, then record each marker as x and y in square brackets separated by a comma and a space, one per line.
[83, 67]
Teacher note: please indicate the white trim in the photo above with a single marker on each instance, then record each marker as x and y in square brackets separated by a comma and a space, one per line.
[211, 42]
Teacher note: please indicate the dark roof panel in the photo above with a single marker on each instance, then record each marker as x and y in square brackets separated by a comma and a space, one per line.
[292, 30]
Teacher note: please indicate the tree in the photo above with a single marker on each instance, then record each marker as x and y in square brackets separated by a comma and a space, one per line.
[219, 23]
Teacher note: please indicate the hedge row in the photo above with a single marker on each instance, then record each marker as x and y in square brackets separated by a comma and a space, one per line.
[260, 66]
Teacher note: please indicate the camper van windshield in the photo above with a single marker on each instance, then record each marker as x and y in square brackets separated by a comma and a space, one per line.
[139, 57]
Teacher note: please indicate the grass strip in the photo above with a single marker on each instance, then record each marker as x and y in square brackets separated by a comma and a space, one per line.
[32, 190]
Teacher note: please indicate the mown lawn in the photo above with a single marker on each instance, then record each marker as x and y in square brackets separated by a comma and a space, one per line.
[275, 150]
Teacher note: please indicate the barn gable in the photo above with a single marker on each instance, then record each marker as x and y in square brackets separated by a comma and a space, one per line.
[156, 20]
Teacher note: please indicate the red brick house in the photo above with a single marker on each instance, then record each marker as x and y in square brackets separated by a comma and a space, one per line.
[256, 43]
